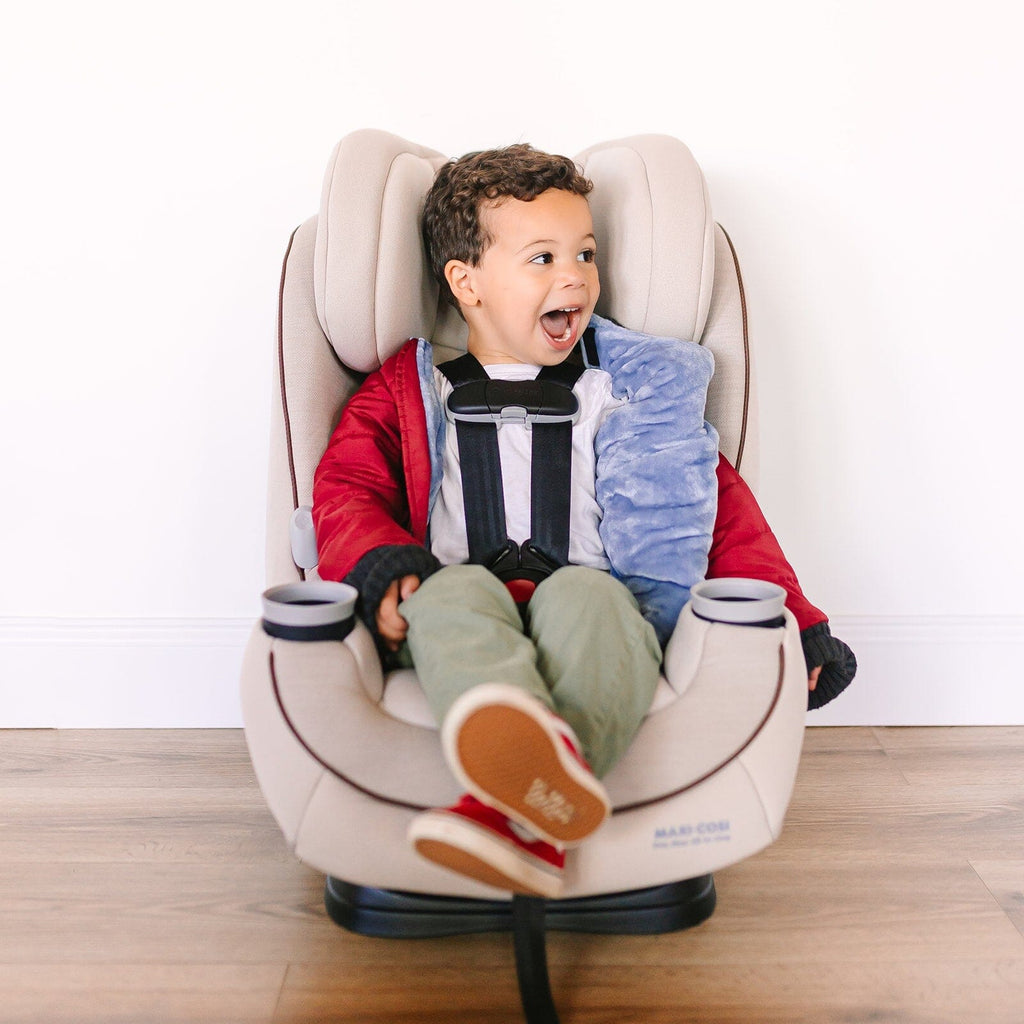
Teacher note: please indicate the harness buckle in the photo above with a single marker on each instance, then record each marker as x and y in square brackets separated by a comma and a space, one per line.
[521, 562]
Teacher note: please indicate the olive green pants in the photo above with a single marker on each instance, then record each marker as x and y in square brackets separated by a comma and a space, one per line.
[584, 649]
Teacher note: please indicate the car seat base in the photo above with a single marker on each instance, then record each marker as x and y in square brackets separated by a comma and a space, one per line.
[388, 913]
[391, 914]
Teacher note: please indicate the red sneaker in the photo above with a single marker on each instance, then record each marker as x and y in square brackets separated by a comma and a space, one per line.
[479, 842]
[512, 753]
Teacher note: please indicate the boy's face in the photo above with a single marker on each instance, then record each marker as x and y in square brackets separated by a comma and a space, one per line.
[534, 290]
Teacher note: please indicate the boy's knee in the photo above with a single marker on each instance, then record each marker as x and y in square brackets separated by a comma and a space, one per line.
[590, 590]
[461, 586]
[457, 576]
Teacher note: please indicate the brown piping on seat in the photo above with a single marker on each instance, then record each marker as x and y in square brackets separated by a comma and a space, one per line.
[280, 370]
[639, 805]
[320, 761]
[746, 352]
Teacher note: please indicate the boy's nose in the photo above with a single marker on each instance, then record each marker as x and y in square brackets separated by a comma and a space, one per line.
[573, 276]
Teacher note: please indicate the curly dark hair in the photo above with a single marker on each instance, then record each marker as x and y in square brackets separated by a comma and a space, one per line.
[452, 227]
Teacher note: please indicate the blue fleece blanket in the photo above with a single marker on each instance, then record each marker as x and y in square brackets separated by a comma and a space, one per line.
[656, 468]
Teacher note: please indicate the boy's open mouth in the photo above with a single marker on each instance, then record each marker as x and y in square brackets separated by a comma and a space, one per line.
[560, 325]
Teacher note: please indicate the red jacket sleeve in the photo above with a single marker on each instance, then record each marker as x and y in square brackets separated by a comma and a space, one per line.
[744, 545]
[373, 462]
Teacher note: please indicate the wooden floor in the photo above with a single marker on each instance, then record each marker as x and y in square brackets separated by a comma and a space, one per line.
[142, 880]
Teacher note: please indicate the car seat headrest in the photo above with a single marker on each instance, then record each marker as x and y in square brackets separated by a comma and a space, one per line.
[372, 283]
[655, 235]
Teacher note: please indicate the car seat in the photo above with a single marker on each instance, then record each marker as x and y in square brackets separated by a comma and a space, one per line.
[347, 754]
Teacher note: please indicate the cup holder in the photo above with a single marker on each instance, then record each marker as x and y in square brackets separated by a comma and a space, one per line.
[740, 602]
[311, 611]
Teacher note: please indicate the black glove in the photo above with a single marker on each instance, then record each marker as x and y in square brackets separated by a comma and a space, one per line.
[838, 664]
[378, 568]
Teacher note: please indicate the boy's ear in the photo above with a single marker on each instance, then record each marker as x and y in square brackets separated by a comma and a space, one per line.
[459, 276]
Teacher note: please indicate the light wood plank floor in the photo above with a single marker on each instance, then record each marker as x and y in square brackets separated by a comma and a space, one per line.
[143, 880]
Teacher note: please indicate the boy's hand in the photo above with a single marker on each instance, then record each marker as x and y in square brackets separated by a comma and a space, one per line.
[390, 625]
[812, 679]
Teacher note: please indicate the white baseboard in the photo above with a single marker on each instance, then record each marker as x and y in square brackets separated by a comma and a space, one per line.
[931, 670]
[121, 673]
[184, 673]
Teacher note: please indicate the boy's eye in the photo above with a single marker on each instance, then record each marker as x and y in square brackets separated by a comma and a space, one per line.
[542, 257]
[587, 256]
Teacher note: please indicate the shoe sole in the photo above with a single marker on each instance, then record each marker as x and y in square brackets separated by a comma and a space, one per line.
[471, 851]
[505, 749]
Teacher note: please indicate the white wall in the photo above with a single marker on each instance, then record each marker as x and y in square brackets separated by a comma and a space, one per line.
[863, 155]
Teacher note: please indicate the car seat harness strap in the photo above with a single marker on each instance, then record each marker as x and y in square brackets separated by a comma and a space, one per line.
[547, 405]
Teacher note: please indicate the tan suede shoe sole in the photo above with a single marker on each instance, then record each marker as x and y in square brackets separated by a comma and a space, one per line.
[507, 750]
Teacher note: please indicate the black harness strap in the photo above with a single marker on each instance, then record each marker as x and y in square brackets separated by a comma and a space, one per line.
[482, 490]
[550, 473]
[482, 495]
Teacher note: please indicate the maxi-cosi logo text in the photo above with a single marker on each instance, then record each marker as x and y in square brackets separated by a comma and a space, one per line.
[691, 834]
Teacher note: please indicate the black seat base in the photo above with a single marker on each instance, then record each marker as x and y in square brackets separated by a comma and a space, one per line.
[405, 915]
[391, 914]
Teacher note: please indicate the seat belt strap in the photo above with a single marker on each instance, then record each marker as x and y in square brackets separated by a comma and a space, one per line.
[482, 493]
[551, 489]
[483, 498]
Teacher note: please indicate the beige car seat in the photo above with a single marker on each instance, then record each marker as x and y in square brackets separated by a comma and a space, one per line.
[345, 754]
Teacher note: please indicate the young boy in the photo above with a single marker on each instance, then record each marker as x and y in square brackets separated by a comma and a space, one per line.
[536, 701]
